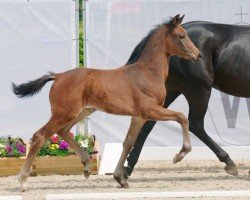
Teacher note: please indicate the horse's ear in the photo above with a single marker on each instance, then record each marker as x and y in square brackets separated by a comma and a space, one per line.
[174, 21]
[181, 18]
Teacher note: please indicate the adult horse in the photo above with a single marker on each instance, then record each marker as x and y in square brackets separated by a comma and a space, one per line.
[137, 90]
[224, 66]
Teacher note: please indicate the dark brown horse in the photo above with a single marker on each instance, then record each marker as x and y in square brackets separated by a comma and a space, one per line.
[136, 90]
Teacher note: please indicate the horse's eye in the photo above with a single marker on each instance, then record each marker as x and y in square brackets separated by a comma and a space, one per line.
[181, 37]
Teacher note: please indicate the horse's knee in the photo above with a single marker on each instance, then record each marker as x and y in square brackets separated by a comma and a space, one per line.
[181, 118]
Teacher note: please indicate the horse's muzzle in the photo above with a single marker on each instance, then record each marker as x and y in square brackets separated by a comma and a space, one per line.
[197, 59]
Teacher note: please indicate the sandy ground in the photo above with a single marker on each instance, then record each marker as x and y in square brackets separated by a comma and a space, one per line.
[148, 176]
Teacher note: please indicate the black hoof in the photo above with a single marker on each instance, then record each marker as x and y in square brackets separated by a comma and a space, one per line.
[126, 172]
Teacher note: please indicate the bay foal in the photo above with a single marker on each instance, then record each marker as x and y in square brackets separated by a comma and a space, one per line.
[136, 90]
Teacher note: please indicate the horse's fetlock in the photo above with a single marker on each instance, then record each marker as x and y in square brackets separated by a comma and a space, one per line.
[187, 148]
[224, 157]
[117, 177]
[86, 162]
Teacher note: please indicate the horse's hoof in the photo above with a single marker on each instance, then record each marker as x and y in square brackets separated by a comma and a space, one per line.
[119, 178]
[125, 185]
[177, 158]
[232, 170]
[24, 188]
[86, 173]
[22, 183]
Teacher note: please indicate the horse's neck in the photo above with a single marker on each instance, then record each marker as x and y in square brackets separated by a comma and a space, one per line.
[154, 55]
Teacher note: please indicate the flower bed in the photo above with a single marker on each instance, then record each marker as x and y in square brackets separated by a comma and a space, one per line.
[57, 158]
[55, 146]
[12, 155]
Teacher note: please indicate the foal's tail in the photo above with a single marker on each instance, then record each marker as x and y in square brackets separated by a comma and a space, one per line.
[32, 87]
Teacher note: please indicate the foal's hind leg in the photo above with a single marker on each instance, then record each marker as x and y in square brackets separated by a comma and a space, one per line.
[135, 126]
[159, 113]
[80, 152]
[38, 140]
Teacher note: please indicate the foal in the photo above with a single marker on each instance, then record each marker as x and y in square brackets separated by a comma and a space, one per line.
[136, 90]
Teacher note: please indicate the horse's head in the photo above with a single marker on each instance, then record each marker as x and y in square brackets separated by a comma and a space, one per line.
[178, 41]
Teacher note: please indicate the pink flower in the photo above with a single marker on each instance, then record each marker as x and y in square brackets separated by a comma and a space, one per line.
[21, 148]
[54, 139]
[9, 149]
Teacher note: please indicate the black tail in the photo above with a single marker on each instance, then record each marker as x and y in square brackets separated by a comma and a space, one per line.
[32, 87]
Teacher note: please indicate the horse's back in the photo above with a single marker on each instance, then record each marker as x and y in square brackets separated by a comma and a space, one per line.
[226, 59]
[232, 62]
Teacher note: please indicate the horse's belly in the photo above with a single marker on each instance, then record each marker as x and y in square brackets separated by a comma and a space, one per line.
[235, 86]
[114, 103]
[116, 108]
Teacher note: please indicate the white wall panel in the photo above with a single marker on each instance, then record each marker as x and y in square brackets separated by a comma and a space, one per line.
[116, 27]
[36, 36]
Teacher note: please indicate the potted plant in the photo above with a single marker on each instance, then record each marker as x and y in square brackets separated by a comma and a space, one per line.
[55, 157]
[12, 155]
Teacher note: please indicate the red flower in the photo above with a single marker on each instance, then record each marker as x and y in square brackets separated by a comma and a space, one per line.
[54, 139]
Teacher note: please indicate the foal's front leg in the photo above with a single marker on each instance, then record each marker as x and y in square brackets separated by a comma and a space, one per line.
[159, 113]
[135, 126]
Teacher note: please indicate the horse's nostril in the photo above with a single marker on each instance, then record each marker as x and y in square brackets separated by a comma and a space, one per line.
[200, 55]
